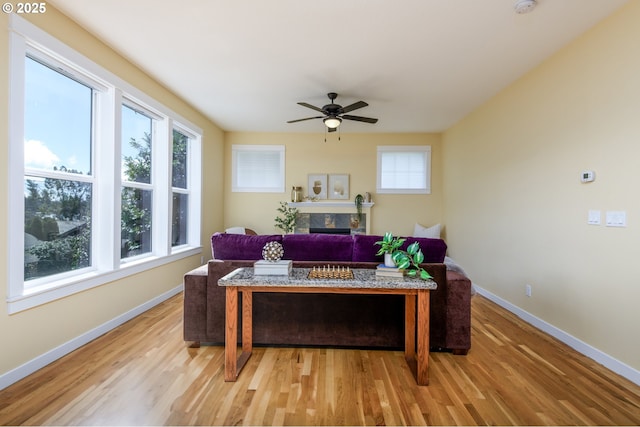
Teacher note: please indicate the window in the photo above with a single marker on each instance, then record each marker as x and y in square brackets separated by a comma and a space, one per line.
[104, 181]
[180, 188]
[137, 189]
[258, 168]
[404, 169]
[58, 181]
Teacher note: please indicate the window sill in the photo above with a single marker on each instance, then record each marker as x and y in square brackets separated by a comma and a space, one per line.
[38, 295]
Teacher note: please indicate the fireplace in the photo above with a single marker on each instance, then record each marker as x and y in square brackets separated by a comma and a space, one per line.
[330, 223]
[332, 217]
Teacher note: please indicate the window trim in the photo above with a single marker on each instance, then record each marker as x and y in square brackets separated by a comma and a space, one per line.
[156, 176]
[236, 148]
[27, 39]
[426, 149]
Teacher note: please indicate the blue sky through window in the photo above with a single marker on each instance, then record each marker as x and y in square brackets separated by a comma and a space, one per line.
[57, 120]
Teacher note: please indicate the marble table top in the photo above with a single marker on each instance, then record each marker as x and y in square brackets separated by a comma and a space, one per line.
[363, 279]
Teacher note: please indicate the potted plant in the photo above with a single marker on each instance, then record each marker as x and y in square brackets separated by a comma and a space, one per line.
[286, 222]
[410, 261]
[389, 245]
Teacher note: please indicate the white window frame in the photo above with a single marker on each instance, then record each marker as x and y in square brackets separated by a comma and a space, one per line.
[111, 92]
[425, 184]
[236, 168]
[158, 174]
[99, 99]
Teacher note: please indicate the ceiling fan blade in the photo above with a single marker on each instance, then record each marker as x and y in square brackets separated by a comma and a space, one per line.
[354, 106]
[360, 119]
[308, 118]
[304, 104]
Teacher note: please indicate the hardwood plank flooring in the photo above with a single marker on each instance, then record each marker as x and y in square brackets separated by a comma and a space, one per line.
[142, 373]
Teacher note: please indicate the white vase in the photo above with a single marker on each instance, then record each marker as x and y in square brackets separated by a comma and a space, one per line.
[388, 261]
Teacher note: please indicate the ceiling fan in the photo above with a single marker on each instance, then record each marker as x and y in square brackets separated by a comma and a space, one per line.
[333, 114]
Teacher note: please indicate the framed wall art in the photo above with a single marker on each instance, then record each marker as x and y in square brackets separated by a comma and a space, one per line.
[338, 187]
[317, 186]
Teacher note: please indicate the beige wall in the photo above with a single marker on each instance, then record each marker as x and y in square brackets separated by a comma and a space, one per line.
[515, 209]
[354, 154]
[29, 334]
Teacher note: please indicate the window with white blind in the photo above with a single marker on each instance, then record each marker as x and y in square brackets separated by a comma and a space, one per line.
[257, 168]
[404, 169]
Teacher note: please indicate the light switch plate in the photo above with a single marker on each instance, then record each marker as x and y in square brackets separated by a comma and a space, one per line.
[594, 218]
[616, 219]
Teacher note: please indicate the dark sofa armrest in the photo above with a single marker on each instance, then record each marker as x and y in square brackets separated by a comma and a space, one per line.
[195, 304]
[215, 298]
[458, 312]
[204, 301]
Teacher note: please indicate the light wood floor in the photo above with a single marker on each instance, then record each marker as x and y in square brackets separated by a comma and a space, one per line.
[143, 374]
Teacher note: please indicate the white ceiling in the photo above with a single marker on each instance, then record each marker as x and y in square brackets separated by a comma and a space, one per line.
[422, 65]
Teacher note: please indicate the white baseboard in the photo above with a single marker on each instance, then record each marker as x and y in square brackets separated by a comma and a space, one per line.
[43, 360]
[599, 356]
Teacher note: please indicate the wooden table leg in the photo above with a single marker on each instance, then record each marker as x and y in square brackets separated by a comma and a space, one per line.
[247, 321]
[232, 363]
[231, 334]
[422, 377]
[409, 327]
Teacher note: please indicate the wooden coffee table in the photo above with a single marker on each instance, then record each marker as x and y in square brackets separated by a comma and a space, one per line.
[416, 292]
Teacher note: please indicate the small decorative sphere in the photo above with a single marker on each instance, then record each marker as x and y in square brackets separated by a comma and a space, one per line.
[272, 251]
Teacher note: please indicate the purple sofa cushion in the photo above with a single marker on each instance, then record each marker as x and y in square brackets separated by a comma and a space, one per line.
[365, 249]
[240, 246]
[317, 247]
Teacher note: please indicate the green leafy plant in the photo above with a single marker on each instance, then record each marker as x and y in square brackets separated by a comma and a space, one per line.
[410, 261]
[287, 221]
[389, 244]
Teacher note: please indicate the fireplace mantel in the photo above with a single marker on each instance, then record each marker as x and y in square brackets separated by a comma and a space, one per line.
[335, 204]
[332, 213]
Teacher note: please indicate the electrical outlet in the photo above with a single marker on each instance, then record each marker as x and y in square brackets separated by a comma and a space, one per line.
[527, 290]
[201, 260]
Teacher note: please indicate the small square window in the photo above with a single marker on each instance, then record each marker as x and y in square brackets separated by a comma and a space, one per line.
[404, 169]
[258, 168]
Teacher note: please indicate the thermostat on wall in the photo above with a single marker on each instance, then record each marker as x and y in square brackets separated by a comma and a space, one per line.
[587, 176]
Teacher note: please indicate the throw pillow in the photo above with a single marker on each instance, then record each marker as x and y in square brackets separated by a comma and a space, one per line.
[432, 232]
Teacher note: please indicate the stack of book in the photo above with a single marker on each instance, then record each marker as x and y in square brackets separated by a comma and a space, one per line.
[384, 271]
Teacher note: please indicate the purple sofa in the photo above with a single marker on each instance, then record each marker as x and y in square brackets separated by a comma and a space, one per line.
[325, 319]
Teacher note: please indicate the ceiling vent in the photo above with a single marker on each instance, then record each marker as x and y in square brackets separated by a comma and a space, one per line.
[524, 6]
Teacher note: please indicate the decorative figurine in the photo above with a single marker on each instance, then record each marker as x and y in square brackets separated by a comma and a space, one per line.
[272, 251]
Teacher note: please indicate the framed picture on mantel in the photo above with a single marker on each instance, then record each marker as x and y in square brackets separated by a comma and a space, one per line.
[317, 186]
[338, 186]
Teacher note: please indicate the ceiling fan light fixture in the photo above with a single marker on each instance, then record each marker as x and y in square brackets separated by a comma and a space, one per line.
[332, 122]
